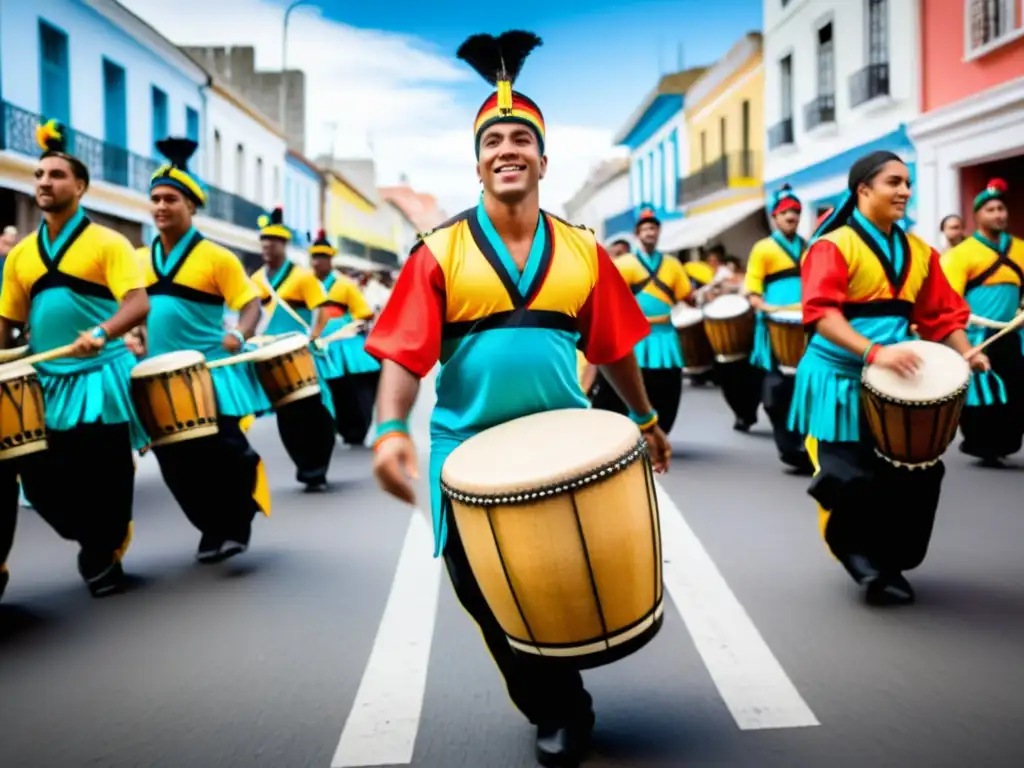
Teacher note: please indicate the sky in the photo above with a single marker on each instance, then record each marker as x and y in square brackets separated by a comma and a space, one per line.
[382, 79]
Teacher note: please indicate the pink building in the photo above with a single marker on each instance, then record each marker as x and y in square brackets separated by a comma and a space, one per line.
[971, 126]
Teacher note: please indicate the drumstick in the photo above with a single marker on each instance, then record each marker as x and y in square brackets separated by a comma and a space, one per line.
[285, 305]
[984, 322]
[347, 332]
[1013, 325]
[7, 355]
[787, 308]
[42, 357]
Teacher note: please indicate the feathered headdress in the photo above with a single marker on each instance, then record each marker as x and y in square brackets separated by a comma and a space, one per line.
[996, 189]
[272, 226]
[499, 60]
[784, 199]
[322, 246]
[52, 137]
[175, 173]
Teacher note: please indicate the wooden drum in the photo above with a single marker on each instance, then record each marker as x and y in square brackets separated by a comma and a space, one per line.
[286, 370]
[788, 340]
[558, 515]
[914, 420]
[174, 397]
[22, 412]
[729, 322]
[698, 356]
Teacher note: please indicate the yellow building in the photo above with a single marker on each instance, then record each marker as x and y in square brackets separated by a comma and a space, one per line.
[722, 193]
[360, 229]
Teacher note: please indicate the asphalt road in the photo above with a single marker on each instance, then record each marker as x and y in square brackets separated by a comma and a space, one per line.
[339, 622]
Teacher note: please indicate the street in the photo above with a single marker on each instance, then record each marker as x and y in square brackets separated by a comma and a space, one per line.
[337, 640]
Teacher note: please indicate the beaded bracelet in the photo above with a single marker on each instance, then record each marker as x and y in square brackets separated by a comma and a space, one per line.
[870, 353]
[644, 422]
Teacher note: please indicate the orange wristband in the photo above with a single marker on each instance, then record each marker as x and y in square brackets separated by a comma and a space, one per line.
[377, 443]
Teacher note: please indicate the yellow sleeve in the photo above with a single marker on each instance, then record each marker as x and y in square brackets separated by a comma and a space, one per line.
[232, 282]
[357, 304]
[683, 287]
[313, 293]
[756, 268]
[14, 300]
[259, 280]
[956, 266]
[121, 266]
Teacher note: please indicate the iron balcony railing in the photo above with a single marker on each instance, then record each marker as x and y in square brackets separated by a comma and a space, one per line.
[869, 83]
[116, 165]
[781, 134]
[819, 111]
[717, 175]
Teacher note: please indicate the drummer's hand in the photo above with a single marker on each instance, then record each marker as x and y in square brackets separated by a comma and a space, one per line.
[231, 343]
[395, 465]
[87, 345]
[901, 361]
[135, 345]
[659, 447]
[980, 362]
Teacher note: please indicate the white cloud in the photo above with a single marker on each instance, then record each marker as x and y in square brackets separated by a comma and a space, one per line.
[367, 88]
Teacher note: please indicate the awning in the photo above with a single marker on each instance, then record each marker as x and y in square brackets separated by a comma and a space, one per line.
[695, 231]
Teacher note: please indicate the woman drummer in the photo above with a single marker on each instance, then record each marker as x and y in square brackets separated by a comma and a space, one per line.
[863, 282]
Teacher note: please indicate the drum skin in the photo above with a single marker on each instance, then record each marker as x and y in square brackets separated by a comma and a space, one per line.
[731, 335]
[910, 430]
[571, 568]
[788, 341]
[287, 372]
[176, 404]
[22, 413]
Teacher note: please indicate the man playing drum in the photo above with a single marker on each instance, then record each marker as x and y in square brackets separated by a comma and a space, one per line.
[659, 283]
[218, 480]
[75, 282]
[306, 426]
[501, 295]
[987, 269]
[863, 281]
[773, 281]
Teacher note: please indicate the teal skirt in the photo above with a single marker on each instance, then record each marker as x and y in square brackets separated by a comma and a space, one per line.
[239, 392]
[660, 349]
[761, 357]
[826, 400]
[985, 387]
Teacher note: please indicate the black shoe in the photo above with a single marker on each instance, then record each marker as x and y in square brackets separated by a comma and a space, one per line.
[230, 548]
[742, 425]
[317, 486]
[860, 569]
[799, 462]
[890, 590]
[209, 548]
[564, 746]
[108, 582]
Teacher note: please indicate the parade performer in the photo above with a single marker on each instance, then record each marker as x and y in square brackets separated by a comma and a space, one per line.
[863, 281]
[987, 269]
[501, 294]
[76, 282]
[354, 383]
[773, 280]
[659, 283]
[306, 426]
[219, 481]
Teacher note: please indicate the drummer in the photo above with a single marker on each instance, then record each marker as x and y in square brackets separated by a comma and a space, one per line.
[501, 293]
[76, 282]
[864, 280]
[219, 481]
[306, 426]
[353, 384]
[773, 280]
[988, 270]
[659, 283]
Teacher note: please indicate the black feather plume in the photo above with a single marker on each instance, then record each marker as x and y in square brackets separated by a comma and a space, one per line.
[177, 150]
[498, 58]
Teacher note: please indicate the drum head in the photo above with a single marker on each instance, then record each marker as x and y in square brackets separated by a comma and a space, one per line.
[789, 316]
[281, 347]
[942, 373]
[15, 370]
[171, 361]
[539, 450]
[725, 307]
[683, 316]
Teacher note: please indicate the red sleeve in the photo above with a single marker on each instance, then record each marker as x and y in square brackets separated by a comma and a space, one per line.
[939, 310]
[824, 277]
[408, 330]
[610, 322]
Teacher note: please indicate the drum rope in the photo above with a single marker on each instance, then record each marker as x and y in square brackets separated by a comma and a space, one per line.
[504, 569]
[590, 568]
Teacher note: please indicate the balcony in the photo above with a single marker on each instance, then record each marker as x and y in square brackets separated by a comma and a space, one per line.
[620, 222]
[717, 176]
[117, 166]
[781, 134]
[869, 83]
[819, 111]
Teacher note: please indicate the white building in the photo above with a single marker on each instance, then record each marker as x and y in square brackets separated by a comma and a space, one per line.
[603, 195]
[303, 197]
[842, 79]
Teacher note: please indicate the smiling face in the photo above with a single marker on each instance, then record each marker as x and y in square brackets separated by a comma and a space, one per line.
[172, 212]
[56, 186]
[510, 164]
[884, 198]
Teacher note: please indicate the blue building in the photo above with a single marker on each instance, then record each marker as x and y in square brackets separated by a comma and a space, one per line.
[303, 197]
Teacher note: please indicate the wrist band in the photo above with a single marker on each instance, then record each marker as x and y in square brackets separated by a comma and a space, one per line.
[644, 422]
[392, 425]
[870, 353]
[99, 332]
[238, 335]
[384, 438]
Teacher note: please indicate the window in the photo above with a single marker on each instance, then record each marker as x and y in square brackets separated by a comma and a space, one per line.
[54, 74]
[259, 180]
[192, 124]
[277, 183]
[217, 158]
[240, 171]
[159, 100]
[703, 148]
[990, 22]
[746, 127]
[721, 137]
[878, 31]
[826, 62]
[115, 105]
[786, 85]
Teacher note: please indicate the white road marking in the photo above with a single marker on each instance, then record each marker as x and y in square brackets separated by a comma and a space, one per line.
[381, 728]
[749, 679]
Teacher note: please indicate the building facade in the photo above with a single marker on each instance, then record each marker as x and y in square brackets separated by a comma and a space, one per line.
[603, 202]
[972, 98]
[303, 197]
[842, 79]
[361, 228]
[721, 191]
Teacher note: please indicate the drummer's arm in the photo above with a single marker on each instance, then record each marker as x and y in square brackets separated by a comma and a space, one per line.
[940, 313]
[14, 304]
[124, 280]
[824, 277]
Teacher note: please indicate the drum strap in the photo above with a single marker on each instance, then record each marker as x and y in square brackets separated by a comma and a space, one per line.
[651, 279]
[1002, 260]
[165, 285]
[781, 275]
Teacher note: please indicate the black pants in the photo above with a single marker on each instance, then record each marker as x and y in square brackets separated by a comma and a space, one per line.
[307, 432]
[664, 389]
[212, 479]
[777, 396]
[354, 395]
[549, 693]
[881, 516]
[995, 431]
[741, 387]
[9, 503]
[83, 486]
